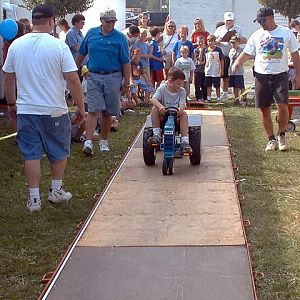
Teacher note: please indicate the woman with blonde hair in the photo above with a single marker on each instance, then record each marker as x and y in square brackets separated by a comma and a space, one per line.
[199, 30]
[170, 37]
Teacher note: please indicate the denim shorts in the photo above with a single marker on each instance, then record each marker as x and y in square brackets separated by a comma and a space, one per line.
[143, 85]
[103, 92]
[38, 134]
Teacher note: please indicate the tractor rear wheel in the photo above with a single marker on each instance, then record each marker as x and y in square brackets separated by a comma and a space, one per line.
[148, 150]
[195, 143]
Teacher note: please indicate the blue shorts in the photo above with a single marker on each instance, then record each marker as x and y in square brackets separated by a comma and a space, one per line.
[236, 81]
[146, 87]
[212, 81]
[103, 92]
[38, 134]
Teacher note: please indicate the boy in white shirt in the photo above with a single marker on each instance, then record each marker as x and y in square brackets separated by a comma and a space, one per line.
[187, 66]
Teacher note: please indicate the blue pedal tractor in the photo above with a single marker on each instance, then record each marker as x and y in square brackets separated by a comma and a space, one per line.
[171, 144]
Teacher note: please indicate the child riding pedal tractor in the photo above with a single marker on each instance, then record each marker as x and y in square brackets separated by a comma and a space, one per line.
[168, 115]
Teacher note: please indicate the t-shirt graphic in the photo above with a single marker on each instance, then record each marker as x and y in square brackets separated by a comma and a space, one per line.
[136, 69]
[272, 48]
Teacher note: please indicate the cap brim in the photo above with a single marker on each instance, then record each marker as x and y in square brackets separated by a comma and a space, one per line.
[259, 19]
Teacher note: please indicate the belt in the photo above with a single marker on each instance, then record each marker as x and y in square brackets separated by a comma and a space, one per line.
[105, 72]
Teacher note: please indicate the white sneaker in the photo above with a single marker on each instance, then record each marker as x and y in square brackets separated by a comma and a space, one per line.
[224, 96]
[34, 205]
[88, 148]
[103, 145]
[271, 146]
[282, 145]
[58, 196]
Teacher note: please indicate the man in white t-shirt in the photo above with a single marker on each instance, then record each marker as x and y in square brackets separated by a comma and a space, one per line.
[131, 33]
[269, 46]
[223, 34]
[43, 124]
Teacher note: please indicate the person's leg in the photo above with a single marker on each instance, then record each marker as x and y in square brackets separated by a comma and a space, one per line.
[155, 119]
[90, 124]
[267, 120]
[105, 126]
[184, 130]
[202, 85]
[147, 97]
[31, 147]
[217, 84]
[236, 92]
[198, 93]
[95, 100]
[33, 173]
[187, 88]
[225, 77]
[283, 117]
[58, 169]
[184, 127]
[225, 85]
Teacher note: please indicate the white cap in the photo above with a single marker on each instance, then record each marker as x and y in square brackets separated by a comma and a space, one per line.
[228, 15]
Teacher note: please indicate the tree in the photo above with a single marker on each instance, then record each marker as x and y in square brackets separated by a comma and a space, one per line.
[61, 7]
[288, 8]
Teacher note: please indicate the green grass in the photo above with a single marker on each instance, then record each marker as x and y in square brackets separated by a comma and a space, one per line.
[271, 189]
[32, 245]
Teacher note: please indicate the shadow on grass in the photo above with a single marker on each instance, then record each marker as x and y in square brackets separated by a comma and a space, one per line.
[269, 202]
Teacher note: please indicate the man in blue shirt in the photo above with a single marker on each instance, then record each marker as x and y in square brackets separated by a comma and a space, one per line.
[74, 36]
[108, 63]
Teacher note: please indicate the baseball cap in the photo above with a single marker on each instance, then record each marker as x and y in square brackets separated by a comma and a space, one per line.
[109, 15]
[42, 11]
[228, 15]
[263, 13]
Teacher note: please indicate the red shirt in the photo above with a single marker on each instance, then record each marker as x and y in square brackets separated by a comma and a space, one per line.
[196, 34]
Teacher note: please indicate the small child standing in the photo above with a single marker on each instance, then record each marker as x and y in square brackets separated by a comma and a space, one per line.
[145, 53]
[183, 33]
[170, 93]
[236, 79]
[156, 58]
[186, 65]
[137, 72]
[214, 66]
[199, 74]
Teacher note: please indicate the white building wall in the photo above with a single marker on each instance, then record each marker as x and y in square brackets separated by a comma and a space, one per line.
[183, 12]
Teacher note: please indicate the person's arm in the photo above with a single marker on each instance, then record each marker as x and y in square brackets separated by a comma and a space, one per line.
[296, 62]
[126, 75]
[79, 59]
[10, 93]
[243, 57]
[75, 88]
[155, 102]
[243, 40]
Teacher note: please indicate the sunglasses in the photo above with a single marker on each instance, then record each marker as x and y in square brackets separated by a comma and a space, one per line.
[262, 21]
[110, 22]
[171, 26]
